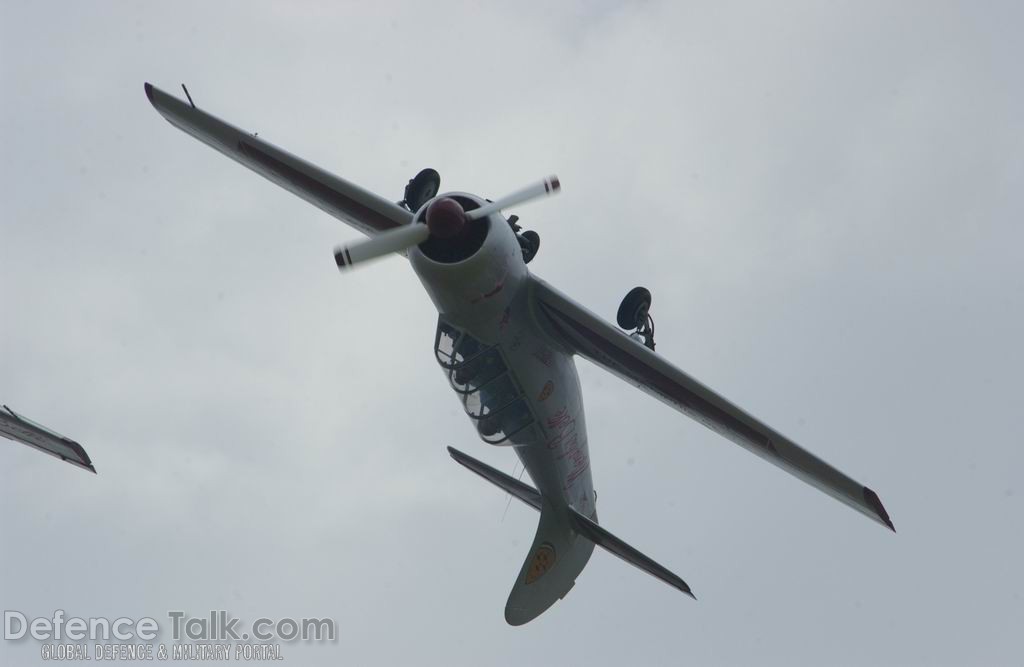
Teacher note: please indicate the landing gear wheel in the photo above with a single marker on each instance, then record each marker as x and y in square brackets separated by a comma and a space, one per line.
[421, 188]
[633, 309]
[530, 243]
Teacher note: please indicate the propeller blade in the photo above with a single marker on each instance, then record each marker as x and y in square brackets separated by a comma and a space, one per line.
[394, 240]
[548, 186]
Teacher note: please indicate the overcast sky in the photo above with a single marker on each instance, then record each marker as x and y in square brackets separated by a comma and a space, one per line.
[825, 199]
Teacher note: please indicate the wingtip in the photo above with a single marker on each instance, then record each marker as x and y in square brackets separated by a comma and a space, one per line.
[684, 587]
[872, 499]
[149, 91]
[342, 258]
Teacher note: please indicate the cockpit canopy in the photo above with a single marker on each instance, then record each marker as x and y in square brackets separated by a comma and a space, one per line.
[479, 375]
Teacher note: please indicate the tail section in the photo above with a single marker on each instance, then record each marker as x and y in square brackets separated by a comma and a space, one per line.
[560, 550]
[556, 558]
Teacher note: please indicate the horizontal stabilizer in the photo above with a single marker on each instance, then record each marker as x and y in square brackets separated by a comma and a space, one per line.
[581, 524]
[519, 489]
[612, 544]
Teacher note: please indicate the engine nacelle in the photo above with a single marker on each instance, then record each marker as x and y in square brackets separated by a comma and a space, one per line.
[473, 278]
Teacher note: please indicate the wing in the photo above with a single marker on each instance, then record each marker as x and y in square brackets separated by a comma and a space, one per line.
[360, 208]
[26, 431]
[602, 343]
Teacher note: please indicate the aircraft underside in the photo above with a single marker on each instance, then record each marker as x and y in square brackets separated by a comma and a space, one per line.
[507, 342]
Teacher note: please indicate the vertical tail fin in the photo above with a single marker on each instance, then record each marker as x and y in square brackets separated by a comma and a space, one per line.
[556, 558]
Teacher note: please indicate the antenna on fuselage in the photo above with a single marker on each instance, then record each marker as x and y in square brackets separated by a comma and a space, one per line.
[188, 96]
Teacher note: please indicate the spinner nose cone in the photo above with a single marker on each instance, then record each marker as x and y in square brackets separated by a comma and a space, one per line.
[445, 218]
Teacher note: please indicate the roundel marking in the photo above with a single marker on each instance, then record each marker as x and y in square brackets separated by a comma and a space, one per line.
[543, 560]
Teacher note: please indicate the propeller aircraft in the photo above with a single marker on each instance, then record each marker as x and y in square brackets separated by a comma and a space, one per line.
[507, 341]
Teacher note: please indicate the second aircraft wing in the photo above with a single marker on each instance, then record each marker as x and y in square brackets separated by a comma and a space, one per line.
[367, 212]
[21, 429]
[602, 343]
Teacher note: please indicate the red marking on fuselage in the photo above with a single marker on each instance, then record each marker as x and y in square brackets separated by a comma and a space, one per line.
[544, 356]
[566, 444]
[497, 288]
[499, 283]
[488, 295]
[560, 419]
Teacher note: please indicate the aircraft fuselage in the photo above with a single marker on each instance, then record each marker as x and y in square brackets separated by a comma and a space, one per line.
[485, 303]
[487, 296]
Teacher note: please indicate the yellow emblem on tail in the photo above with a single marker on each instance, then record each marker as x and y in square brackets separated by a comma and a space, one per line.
[543, 561]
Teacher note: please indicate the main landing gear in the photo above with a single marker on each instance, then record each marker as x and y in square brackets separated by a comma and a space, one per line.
[634, 316]
[529, 241]
[421, 188]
